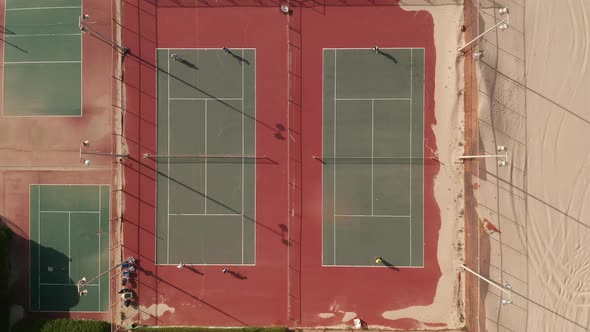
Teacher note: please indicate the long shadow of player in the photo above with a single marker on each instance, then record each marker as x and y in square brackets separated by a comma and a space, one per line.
[237, 57]
[194, 270]
[389, 56]
[188, 63]
[390, 265]
[234, 274]
[185, 62]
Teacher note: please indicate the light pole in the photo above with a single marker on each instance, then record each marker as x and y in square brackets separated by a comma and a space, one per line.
[85, 28]
[506, 288]
[502, 25]
[83, 152]
[503, 158]
[83, 282]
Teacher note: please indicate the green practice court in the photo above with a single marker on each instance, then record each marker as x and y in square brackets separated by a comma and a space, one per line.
[373, 157]
[42, 58]
[69, 240]
[206, 156]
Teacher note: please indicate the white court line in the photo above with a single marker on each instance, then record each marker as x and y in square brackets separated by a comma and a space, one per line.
[29, 205]
[69, 244]
[158, 185]
[38, 62]
[422, 145]
[364, 157]
[243, 139]
[42, 35]
[58, 284]
[108, 286]
[371, 99]
[69, 212]
[290, 182]
[4, 100]
[208, 264]
[334, 167]
[54, 116]
[206, 165]
[42, 8]
[168, 177]
[39, 248]
[372, 154]
[200, 49]
[372, 215]
[204, 214]
[253, 72]
[411, 111]
[322, 149]
[99, 235]
[367, 48]
[81, 66]
[377, 266]
[242, 99]
[372, 148]
[70, 311]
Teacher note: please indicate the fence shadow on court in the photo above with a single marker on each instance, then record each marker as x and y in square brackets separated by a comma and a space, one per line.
[5, 31]
[212, 160]
[278, 130]
[207, 197]
[14, 45]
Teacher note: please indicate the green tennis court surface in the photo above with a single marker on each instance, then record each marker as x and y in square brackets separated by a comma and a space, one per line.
[206, 169]
[69, 240]
[372, 157]
[42, 46]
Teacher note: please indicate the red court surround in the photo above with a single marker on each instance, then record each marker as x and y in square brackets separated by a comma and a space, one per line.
[276, 291]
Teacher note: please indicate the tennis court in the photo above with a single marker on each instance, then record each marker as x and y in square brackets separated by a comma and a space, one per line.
[42, 46]
[372, 159]
[206, 156]
[69, 240]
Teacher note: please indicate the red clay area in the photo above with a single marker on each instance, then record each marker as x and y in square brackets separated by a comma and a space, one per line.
[287, 286]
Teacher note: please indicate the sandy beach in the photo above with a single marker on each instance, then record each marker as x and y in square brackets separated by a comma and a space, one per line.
[533, 94]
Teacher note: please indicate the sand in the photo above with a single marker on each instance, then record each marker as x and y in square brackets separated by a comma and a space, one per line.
[534, 96]
[448, 188]
[154, 310]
